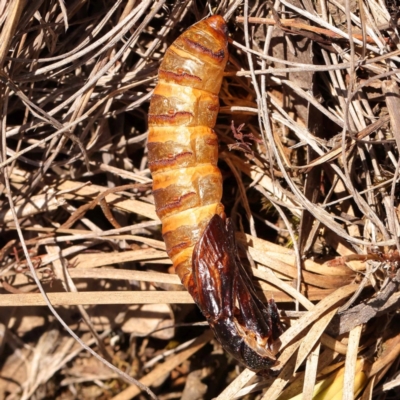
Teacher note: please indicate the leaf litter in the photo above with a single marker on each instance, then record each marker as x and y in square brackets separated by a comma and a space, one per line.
[309, 135]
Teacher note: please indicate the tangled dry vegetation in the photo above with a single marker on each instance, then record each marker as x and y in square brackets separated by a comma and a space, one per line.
[310, 179]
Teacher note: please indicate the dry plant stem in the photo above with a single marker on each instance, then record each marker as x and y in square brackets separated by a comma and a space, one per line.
[7, 33]
[140, 179]
[77, 191]
[270, 277]
[97, 76]
[301, 26]
[151, 242]
[392, 384]
[289, 271]
[37, 204]
[391, 91]
[170, 364]
[143, 8]
[96, 236]
[318, 213]
[40, 113]
[62, 130]
[71, 354]
[34, 274]
[261, 102]
[118, 274]
[85, 221]
[103, 203]
[303, 134]
[231, 390]
[281, 196]
[321, 22]
[361, 22]
[359, 200]
[391, 351]
[355, 296]
[177, 13]
[61, 273]
[280, 382]
[393, 219]
[336, 151]
[291, 333]
[38, 144]
[58, 359]
[124, 26]
[338, 296]
[296, 390]
[85, 42]
[367, 394]
[232, 8]
[94, 79]
[350, 366]
[311, 373]
[313, 336]
[255, 387]
[175, 350]
[95, 298]
[363, 313]
[295, 246]
[377, 378]
[298, 67]
[242, 196]
[363, 206]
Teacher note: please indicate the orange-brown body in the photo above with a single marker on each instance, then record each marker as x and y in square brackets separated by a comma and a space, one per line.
[182, 146]
[187, 188]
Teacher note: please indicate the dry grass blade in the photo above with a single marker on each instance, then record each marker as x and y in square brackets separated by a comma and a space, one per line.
[92, 298]
[168, 366]
[37, 204]
[351, 361]
[236, 385]
[112, 273]
[311, 373]
[312, 337]
[74, 191]
[391, 91]
[13, 15]
[337, 297]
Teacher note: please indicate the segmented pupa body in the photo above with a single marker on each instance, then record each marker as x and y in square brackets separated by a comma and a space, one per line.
[182, 146]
